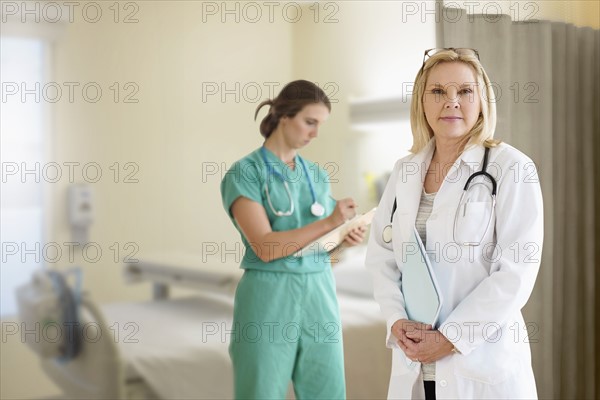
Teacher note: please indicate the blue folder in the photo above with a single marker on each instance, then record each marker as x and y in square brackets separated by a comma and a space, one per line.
[422, 296]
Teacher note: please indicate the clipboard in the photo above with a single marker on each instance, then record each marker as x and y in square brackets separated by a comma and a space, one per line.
[335, 237]
[422, 296]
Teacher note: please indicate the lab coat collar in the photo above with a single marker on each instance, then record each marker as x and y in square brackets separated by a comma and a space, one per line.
[472, 157]
[410, 186]
[423, 157]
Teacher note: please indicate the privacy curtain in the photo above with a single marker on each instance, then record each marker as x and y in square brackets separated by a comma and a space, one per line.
[547, 83]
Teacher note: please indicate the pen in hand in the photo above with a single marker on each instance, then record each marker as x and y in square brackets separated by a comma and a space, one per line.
[348, 204]
[353, 205]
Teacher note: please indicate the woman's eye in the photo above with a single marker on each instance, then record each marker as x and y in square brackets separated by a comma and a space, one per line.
[437, 91]
[468, 91]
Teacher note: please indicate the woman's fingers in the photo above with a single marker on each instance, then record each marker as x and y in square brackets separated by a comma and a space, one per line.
[410, 348]
[417, 340]
[347, 207]
[417, 331]
[415, 335]
[355, 236]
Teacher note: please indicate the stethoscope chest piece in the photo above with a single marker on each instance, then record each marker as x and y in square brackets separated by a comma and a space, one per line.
[317, 209]
[387, 234]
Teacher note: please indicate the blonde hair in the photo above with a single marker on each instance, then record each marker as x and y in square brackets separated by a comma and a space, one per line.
[483, 130]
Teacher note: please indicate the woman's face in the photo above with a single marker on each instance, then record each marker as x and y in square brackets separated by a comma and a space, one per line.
[299, 130]
[451, 100]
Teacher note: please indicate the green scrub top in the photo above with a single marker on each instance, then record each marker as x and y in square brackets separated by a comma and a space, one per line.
[247, 178]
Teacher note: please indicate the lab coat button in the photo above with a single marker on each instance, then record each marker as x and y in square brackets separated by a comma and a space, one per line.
[443, 383]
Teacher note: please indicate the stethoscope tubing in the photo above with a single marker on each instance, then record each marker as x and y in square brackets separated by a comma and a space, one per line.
[316, 208]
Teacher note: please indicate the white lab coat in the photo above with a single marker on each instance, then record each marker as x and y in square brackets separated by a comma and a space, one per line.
[483, 293]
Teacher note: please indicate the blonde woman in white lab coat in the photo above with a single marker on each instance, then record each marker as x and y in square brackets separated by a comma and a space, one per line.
[485, 256]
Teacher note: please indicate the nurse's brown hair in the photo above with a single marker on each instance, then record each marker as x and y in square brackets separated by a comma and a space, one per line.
[291, 100]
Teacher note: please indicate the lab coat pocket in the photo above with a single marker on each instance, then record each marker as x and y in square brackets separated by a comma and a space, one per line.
[472, 222]
[490, 365]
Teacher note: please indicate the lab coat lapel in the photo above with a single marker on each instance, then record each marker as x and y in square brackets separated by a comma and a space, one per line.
[409, 187]
[452, 188]
[472, 157]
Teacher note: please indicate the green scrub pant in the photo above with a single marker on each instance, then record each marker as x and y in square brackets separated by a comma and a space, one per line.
[286, 326]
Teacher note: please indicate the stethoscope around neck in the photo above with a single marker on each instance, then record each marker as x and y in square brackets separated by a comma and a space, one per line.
[386, 235]
[316, 208]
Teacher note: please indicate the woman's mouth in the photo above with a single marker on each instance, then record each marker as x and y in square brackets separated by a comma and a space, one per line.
[451, 119]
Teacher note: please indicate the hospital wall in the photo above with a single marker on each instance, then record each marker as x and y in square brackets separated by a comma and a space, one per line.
[172, 135]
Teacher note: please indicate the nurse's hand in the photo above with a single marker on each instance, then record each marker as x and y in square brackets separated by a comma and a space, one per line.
[345, 209]
[355, 236]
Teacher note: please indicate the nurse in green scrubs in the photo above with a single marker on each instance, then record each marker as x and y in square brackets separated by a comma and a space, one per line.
[286, 316]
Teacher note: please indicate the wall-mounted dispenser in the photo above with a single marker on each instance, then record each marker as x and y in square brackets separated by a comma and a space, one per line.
[80, 211]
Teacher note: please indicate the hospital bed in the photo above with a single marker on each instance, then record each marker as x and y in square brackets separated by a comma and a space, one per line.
[177, 348]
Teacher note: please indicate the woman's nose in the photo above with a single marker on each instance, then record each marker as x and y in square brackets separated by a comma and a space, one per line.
[452, 102]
